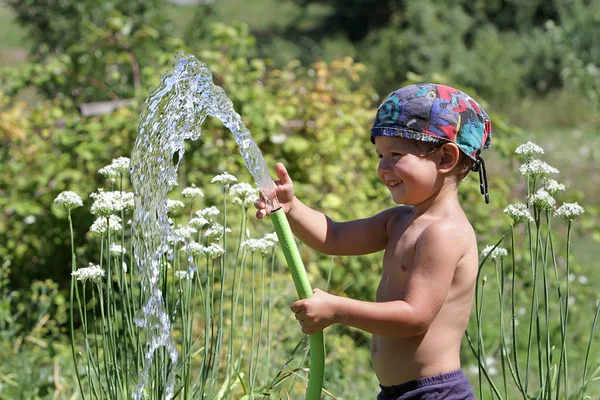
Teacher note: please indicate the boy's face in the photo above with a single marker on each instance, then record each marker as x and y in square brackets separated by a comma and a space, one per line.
[410, 176]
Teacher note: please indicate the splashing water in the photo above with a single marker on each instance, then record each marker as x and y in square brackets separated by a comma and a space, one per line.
[174, 111]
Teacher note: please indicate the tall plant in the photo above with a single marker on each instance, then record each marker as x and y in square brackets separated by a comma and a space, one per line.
[218, 297]
[533, 286]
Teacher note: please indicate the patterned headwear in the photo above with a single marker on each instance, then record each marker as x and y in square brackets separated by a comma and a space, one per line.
[436, 113]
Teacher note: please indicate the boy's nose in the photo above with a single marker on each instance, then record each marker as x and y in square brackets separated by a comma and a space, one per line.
[384, 165]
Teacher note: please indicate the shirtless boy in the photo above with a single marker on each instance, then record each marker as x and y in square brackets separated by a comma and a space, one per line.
[427, 137]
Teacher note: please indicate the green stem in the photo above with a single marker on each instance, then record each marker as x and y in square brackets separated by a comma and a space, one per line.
[564, 348]
[269, 318]
[587, 353]
[513, 316]
[547, 308]
[500, 281]
[298, 272]
[73, 267]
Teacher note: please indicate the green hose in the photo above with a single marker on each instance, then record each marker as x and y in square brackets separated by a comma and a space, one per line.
[292, 256]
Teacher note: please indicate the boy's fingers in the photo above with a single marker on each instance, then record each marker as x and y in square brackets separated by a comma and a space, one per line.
[282, 173]
[301, 315]
[294, 307]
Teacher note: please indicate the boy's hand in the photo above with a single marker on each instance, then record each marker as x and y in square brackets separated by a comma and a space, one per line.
[284, 189]
[316, 312]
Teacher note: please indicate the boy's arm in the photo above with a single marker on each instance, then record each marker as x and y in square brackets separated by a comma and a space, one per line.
[314, 228]
[427, 288]
[362, 236]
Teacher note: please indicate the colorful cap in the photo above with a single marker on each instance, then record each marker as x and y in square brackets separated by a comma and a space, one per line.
[430, 113]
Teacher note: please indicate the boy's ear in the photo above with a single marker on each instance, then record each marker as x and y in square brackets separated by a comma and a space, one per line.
[448, 157]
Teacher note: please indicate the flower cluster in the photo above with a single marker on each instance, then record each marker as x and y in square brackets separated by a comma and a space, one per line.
[192, 192]
[271, 237]
[495, 254]
[198, 222]
[93, 272]
[208, 212]
[184, 274]
[537, 169]
[224, 180]
[118, 167]
[551, 186]
[68, 200]
[213, 251]
[194, 248]
[107, 203]
[117, 250]
[529, 149]
[542, 200]
[174, 205]
[519, 213]
[261, 245]
[215, 231]
[243, 194]
[569, 211]
[104, 225]
[184, 232]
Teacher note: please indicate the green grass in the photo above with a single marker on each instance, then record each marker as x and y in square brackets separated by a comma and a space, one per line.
[12, 35]
[262, 16]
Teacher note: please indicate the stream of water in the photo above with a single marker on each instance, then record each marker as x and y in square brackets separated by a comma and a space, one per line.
[174, 112]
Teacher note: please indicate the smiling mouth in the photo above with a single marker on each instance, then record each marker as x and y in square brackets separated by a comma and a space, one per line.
[393, 183]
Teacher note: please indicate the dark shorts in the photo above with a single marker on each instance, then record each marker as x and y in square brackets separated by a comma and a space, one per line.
[452, 386]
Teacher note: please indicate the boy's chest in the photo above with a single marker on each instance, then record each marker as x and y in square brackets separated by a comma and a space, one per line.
[398, 264]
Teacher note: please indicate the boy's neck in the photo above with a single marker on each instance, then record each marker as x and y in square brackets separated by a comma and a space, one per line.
[446, 196]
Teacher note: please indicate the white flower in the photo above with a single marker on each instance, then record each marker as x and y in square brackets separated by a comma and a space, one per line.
[542, 199]
[117, 250]
[174, 205]
[30, 219]
[213, 251]
[193, 248]
[552, 186]
[198, 222]
[255, 245]
[68, 200]
[121, 165]
[192, 192]
[583, 279]
[496, 254]
[271, 237]
[243, 194]
[185, 232]
[124, 267]
[172, 183]
[225, 179]
[102, 225]
[569, 211]
[184, 274]
[537, 169]
[216, 231]
[109, 172]
[107, 203]
[529, 149]
[128, 200]
[519, 213]
[92, 272]
[208, 212]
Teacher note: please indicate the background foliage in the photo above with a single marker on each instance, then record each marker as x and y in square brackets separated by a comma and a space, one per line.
[306, 76]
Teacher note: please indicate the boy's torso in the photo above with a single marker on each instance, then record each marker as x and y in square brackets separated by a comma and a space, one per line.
[399, 360]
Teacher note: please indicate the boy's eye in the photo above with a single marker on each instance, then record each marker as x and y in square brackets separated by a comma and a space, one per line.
[396, 155]
[379, 155]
